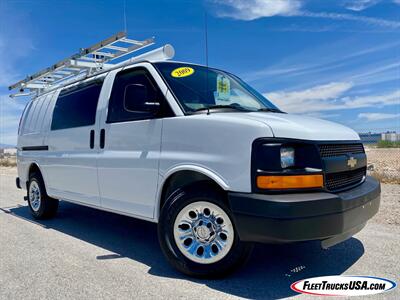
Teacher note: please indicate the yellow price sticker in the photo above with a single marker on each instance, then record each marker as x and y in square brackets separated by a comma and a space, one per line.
[182, 72]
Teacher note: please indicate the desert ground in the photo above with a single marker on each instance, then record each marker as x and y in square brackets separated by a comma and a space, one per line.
[384, 163]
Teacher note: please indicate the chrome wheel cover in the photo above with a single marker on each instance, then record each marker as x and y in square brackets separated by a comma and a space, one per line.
[34, 196]
[203, 232]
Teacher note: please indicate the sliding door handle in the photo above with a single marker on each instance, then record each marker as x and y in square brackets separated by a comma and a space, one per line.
[91, 139]
[102, 138]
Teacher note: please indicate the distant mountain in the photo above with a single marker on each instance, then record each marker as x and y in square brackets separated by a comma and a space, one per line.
[2, 146]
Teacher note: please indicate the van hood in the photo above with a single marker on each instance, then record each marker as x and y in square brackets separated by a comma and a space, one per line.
[299, 127]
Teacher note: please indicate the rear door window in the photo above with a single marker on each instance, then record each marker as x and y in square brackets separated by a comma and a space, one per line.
[76, 106]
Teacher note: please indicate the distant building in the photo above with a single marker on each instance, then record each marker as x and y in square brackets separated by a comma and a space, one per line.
[370, 138]
[9, 151]
[390, 136]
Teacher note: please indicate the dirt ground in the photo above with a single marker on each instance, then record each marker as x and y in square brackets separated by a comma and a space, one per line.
[384, 163]
[8, 161]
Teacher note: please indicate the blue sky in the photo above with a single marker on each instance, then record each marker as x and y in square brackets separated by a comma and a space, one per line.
[337, 60]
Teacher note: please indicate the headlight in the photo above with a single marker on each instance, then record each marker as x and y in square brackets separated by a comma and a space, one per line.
[287, 157]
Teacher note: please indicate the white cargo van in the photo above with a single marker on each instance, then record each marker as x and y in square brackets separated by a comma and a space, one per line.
[201, 153]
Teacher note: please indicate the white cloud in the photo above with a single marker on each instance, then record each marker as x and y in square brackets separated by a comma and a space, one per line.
[322, 92]
[391, 98]
[377, 116]
[249, 10]
[309, 100]
[253, 9]
[350, 17]
[358, 5]
[321, 115]
[328, 97]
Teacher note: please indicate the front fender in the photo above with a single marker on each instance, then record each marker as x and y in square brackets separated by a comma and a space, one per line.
[186, 167]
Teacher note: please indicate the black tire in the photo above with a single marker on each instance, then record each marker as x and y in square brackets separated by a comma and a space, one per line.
[236, 257]
[48, 206]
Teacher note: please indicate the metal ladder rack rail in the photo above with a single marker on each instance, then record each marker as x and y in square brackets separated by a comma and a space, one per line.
[88, 61]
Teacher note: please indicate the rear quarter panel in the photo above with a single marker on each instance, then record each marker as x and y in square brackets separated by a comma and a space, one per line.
[35, 126]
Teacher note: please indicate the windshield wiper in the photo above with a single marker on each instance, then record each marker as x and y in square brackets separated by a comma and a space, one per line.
[236, 107]
[270, 110]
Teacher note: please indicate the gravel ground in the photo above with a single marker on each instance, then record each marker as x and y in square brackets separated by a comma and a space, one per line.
[384, 163]
[89, 254]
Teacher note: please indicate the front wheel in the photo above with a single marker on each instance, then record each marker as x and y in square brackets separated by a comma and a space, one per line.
[197, 233]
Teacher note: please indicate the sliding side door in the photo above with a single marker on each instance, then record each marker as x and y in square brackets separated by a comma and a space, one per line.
[72, 161]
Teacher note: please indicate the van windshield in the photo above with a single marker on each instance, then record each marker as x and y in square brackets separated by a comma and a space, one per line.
[200, 88]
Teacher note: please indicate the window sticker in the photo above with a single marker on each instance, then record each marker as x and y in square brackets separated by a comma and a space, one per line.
[182, 72]
[223, 92]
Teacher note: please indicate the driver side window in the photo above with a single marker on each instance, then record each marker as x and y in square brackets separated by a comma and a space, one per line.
[134, 96]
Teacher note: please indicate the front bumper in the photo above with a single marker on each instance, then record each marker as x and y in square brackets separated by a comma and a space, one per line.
[298, 217]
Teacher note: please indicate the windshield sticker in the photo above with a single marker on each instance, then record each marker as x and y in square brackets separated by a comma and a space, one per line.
[182, 72]
[223, 92]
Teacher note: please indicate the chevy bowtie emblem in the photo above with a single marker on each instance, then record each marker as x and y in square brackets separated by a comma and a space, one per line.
[352, 162]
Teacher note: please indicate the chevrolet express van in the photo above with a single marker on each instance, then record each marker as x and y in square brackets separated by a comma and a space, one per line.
[198, 151]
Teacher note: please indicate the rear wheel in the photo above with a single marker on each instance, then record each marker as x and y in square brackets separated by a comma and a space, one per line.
[40, 204]
[197, 233]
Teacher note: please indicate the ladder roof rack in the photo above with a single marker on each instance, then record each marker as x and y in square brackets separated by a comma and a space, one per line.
[87, 62]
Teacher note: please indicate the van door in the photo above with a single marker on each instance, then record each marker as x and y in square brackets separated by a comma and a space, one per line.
[72, 156]
[130, 143]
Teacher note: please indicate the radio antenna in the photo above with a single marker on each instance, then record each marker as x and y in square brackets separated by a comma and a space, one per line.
[125, 23]
[206, 37]
[206, 50]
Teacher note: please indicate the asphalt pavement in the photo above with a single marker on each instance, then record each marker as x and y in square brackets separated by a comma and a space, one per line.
[86, 253]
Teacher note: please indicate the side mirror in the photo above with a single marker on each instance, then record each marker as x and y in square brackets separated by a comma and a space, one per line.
[136, 99]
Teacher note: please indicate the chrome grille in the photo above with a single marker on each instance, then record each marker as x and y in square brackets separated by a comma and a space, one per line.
[341, 180]
[331, 150]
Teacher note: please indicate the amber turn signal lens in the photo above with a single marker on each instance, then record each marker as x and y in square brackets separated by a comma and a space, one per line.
[290, 182]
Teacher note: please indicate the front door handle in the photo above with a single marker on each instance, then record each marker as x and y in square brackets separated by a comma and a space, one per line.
[102, 138]
[91, 139]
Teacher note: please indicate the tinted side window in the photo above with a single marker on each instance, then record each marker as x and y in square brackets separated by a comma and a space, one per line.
[117, 111]
[76, 107]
